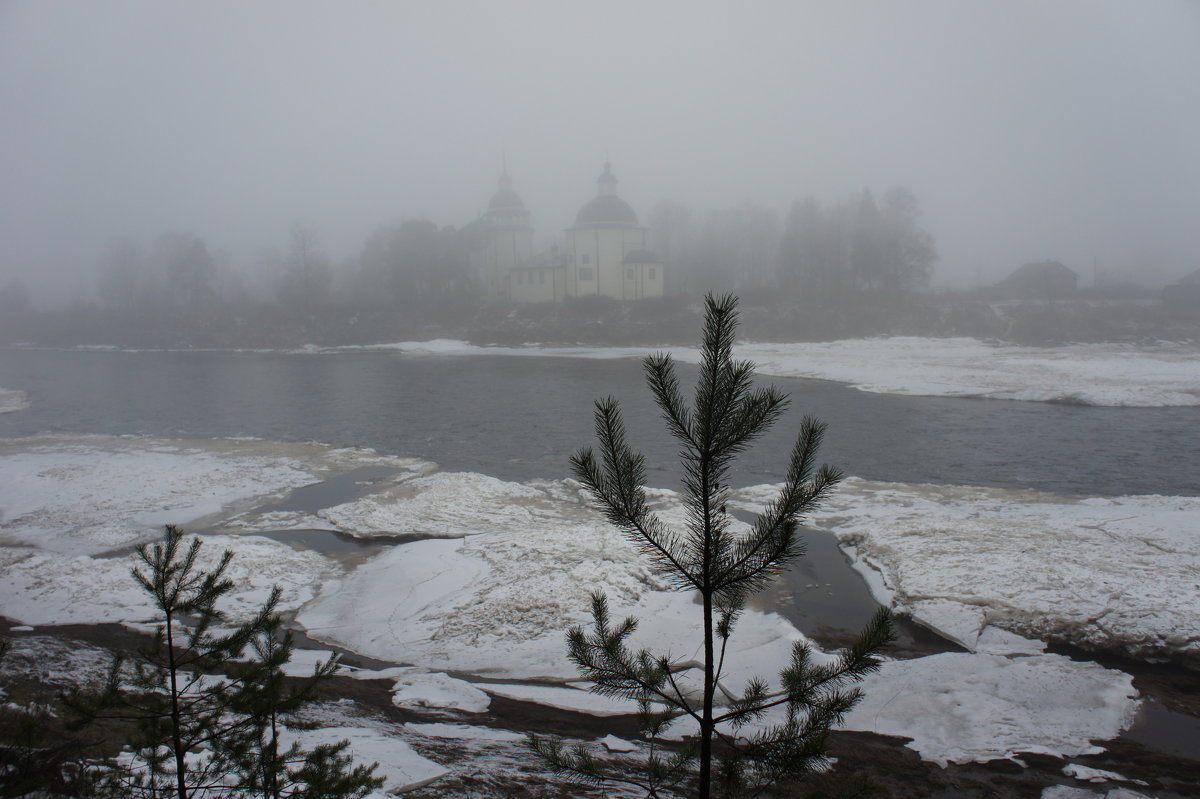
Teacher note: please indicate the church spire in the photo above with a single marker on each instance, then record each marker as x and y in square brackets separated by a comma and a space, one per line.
[608, 181]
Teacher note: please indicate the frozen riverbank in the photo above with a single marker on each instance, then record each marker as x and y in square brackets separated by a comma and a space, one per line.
[1115, 573]
[493, 596]
[1164, 374]
[1158, 374]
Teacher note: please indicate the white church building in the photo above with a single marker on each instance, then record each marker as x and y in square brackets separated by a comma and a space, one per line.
[605, 253]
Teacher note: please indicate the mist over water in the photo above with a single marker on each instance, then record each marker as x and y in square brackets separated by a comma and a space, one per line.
[1027, 130]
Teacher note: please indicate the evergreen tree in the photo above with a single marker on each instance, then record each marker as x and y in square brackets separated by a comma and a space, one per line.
[268, 702]
[723, 567]
[205, 724]
[173, 692]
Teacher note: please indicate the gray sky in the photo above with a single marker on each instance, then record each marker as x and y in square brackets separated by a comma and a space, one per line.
[1027, 129]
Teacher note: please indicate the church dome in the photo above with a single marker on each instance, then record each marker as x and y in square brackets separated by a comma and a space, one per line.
[606, 208]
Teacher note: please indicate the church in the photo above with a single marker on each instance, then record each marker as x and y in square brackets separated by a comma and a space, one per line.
[605, 253]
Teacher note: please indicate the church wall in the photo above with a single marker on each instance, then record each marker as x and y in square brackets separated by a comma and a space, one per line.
[507, 249]
[643, 280]
[602, 251]
[534, 285]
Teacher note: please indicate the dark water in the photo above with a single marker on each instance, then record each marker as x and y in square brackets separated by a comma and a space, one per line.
[346, 487]
[1166, 730]
[519, 418]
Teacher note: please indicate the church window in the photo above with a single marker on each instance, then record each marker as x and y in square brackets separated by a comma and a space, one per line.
[585, 259]
[585, 273]
[650, 273]
[630, 273]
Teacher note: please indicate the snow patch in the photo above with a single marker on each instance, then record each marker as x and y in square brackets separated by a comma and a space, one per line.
[614, 744]
[90, 494]
[45, 588]
[442, 505]
[1067, 792]
[563, 698]
[960, 707]
[1162, 374]
[464, 732]
[500, 603]
[399, 764]
[419, 689]
[1117, 573]
[1089, 774]
[12, 401]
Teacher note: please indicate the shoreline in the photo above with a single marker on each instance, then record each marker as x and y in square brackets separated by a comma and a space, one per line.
[600, 321]
[894, 769]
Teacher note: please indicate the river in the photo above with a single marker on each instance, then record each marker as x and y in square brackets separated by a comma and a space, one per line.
[519, 418]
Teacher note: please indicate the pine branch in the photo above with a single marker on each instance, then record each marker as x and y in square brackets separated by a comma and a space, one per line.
[660, 377]
[616, 485]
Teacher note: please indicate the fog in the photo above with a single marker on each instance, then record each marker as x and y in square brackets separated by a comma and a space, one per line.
[1027, 130]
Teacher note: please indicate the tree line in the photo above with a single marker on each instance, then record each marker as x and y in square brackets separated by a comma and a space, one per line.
[402, 265]
[819, 252]
[827, 251]
[413, 278]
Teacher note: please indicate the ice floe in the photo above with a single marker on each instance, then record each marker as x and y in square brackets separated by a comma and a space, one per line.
[44, 588]
[614, 744]
[398, 763]
[419, 689]
[442, 505]
[464, 732]
[500, 603]
[1067, 792]
[1160, 374]
[90, 494]
[959, 707]
[1089, 774]
[12, 400]
[564, 698]
[1116, 573]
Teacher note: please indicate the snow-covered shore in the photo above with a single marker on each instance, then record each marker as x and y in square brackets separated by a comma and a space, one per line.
[1116, 573]
[510, 566]
[1162, 374]
[1157, 374]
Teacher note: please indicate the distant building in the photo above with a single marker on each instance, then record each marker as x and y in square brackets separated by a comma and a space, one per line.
[1047, 280]
[502, 238]
[605, 254]
[1183, 295]
[607, 250]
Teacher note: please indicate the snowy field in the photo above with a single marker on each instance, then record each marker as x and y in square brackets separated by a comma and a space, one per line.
[506, 567]
[1162, 374]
